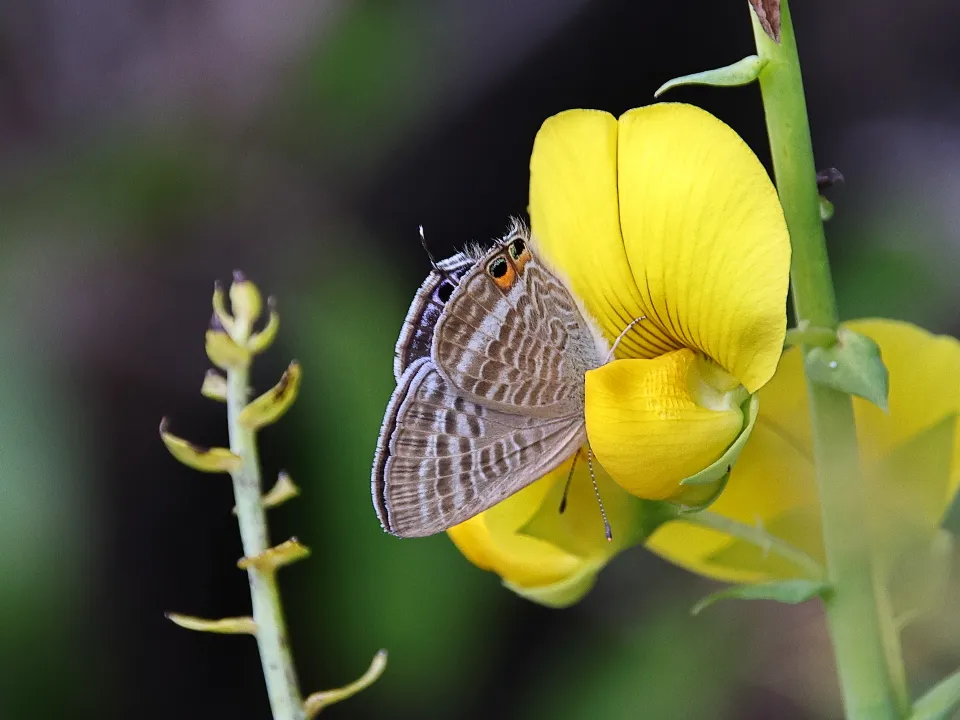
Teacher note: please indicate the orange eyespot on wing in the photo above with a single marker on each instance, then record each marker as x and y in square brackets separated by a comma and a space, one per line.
[519, 254]
[502, 272]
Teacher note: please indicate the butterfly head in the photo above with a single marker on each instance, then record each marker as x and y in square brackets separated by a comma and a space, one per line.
[507, 266]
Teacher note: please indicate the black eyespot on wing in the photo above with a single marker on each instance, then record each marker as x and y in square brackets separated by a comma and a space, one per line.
[445, 291]
[516, 248]
[498, 267]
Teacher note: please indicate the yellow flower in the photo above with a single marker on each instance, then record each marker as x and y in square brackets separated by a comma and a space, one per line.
[547, 556]
[664, 214]
[910, 459]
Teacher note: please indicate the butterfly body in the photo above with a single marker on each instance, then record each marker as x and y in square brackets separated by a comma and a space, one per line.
[497, 402]
[416, 334]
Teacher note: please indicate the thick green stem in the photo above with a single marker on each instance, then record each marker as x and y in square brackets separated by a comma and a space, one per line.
[278, 669]
[853, 611]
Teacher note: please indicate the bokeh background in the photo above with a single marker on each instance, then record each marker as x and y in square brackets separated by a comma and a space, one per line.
[147, 148]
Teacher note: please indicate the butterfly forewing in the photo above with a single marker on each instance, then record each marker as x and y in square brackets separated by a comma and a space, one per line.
[444, 458]
[518, 342]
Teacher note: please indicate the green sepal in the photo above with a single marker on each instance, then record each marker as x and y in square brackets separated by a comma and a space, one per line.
[562, 593]
[791, 592]
[852, 366]
[940, 701]
[270, 407]
[317, 701]
[199, 457]
[224, 352]
[699, 491]
[260, 341]
[742, 72]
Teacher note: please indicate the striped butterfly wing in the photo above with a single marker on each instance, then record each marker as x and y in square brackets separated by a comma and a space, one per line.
[443, 457]
[497, 403]
[513, 337]
[416, 335]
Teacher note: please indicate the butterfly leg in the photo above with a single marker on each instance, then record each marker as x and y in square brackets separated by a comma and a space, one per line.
[566, 487]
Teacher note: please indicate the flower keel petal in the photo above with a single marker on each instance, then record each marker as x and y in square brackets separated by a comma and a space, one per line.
[646, 427]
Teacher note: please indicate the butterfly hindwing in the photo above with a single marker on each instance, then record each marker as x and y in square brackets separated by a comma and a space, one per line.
[442, 457]
[416, 334]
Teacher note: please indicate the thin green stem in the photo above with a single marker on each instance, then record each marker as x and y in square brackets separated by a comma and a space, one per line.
[278, 669]
[759, 537]
[853, 611]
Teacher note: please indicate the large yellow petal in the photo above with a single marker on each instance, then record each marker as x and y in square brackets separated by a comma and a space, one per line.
[491, 542]
[773, 483]
[646, 427]
[575, 220]
[772, 479]
[924, 387]
[705, 237]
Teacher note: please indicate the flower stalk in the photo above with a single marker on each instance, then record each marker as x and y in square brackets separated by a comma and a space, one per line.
[272, 641]
[231, 344]
[853, 608]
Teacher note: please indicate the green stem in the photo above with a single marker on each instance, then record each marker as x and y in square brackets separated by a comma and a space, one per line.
[756, 536]
[278, 669]
[853, 611]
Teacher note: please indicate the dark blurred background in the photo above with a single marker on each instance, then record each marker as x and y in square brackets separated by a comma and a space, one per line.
[147, 148]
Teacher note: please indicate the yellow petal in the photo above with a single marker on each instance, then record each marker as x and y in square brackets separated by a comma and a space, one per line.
[562, 593]
[491, 542]
[773, 483]
[646, 427]
[772, 478]
[545, 555]
[924, 387]
[575, 221]
[705, 238]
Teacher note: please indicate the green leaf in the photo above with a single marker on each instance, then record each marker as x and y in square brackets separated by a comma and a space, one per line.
[791, 592]
[742, 72]
[853, 366]
[939, 701]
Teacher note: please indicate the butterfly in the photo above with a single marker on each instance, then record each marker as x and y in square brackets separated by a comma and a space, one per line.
[490, 368]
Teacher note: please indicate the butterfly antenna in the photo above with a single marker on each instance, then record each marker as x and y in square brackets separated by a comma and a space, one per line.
[433, 262]
[622, 335]
[607, 530]
[566, 488]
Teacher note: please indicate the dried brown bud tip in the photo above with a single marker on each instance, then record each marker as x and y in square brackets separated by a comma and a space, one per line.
[768, 13]
[828, 178]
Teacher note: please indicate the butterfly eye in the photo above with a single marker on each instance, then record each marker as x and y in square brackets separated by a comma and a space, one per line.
[498, 267]
[444, 291]
[516, 249]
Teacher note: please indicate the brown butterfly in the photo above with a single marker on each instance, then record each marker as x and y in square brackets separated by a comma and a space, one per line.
[490, 369]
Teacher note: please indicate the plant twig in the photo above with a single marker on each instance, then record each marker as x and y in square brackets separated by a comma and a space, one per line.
[272, 641]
